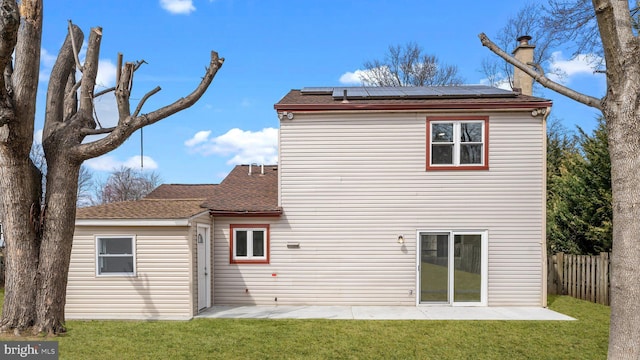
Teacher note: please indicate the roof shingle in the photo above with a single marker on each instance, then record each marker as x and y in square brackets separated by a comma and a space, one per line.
[143, 209]
[245, 193]
[167, 201]
[182, 191]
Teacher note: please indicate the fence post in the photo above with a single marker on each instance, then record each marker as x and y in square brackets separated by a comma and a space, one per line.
[560, 274]
[552, 281]
[605, 278]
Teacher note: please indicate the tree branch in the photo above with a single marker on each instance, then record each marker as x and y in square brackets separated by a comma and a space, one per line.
[9, 23]
[25, 75]
[540, 78]
[71, 97]
[103, 92]
[129, 124]
[144, 99]
[75, 49]
[118, 68]
[123, 91]
[539, 68]
[87, 131]
[90, 71]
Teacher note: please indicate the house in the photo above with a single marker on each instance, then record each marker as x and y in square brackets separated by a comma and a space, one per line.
[381, 196]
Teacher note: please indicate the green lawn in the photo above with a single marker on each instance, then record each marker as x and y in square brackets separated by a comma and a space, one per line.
[434, 280]
[344, 339]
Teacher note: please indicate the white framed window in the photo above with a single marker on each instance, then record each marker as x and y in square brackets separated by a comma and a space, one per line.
[249, 244]
[1, 236]
[459, 143]
[115, 255]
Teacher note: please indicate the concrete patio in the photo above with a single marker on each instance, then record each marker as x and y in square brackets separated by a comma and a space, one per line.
[383, 313]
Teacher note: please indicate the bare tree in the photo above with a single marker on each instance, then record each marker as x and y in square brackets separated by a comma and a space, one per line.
[613, 25]
[38, 232]
[526, 22]
[409, 66]
[127, 184]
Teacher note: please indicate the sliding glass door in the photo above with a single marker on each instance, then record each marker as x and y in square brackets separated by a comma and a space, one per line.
[452, 268]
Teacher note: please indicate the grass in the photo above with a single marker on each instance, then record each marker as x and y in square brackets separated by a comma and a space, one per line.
[434, 280]
[340, 339]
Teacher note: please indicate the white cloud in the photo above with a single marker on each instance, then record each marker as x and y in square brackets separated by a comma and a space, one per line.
[244, 147]
[109, 163]
[199, 137]
[178, 6]
[503, 84]
[582, 64]
[356, 77]
[46, 64]
[106, 73]
[349, 77]
[147, 163]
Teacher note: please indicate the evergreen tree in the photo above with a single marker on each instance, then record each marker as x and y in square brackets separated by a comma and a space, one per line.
[579, 212]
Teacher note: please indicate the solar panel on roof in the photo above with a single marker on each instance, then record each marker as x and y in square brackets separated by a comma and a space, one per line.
[427, 91]
[386, 92]
[352, 92]
[317, 90]
[417, 92]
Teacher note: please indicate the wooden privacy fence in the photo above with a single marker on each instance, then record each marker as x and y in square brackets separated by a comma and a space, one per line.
[584, 277]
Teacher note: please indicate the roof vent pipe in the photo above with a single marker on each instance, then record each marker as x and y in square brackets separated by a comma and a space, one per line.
[344, 96]
[249, 169]
[262, 169]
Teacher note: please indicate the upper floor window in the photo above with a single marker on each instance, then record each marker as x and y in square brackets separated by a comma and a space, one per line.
[115, 255]
[249, 244]
[458, 143]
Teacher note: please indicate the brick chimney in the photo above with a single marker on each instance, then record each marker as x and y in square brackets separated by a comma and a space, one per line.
[524, 52]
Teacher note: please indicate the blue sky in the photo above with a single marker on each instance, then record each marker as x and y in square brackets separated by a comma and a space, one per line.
[270, 47]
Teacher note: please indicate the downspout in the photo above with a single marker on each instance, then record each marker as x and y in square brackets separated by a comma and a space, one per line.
[543, 242]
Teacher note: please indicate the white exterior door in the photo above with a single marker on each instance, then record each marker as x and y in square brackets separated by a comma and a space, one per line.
[204, 266]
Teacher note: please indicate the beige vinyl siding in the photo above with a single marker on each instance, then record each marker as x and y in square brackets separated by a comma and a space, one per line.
[161, 289]
[351, 183]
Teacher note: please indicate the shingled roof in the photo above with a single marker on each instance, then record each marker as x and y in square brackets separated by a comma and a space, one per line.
[247, 192]
[182, 191]
[167, 201]
[143, 209]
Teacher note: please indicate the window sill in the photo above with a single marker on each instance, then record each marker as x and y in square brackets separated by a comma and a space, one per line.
[457, 168]
[261, 261]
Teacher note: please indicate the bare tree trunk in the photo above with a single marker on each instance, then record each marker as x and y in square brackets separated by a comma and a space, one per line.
[55, 250]
[623, 123]
[20, 194]
[624, 147]
[621, 110]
